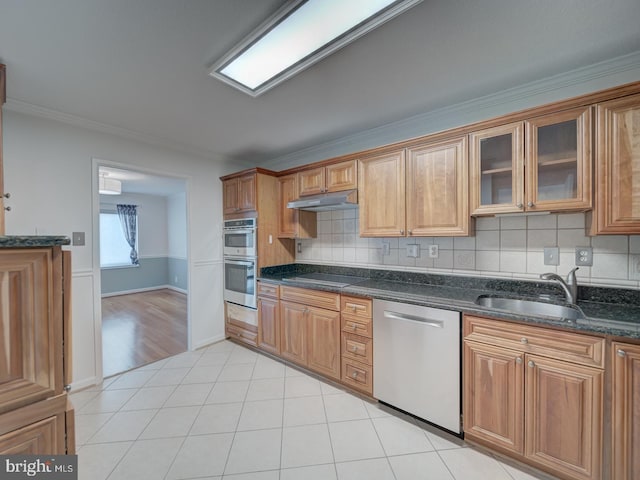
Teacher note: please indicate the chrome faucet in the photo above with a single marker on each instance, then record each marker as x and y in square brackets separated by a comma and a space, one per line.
[570, 286]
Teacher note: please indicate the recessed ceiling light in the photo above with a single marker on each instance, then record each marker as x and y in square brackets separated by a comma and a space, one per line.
[298, 35]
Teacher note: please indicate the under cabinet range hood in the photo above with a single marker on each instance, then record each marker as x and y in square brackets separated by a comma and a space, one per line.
[327, 201]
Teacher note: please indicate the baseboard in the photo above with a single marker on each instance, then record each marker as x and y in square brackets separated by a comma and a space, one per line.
[209, 341]
[84, 383]
[177, 289]
[140, 290]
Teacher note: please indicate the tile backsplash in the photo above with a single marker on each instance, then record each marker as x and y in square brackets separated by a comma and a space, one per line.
[510, 247]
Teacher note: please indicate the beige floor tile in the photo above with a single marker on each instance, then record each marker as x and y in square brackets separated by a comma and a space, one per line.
[344, 407]
[149, 398]
[189, 395]
[420, 466]
[168, 376]
[315, 472]
[133, 379]
[108, 401]
[236, 372]
[228, 392]
[207, 374]
[201, 456]
[301, 386]
[255, 451]
[306, 445]
[171, 422]
[123, 426]
[304, 411]
[355, 440]
[399, 437]
[219, 418]
[374, 469]
[147, 459]
[265, 389]
[96, 462]
[182, 360]
[88, 425]
[261, 415]
[471, 464]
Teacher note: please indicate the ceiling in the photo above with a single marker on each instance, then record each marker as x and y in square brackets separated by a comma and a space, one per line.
[141, 66]
[144, 183]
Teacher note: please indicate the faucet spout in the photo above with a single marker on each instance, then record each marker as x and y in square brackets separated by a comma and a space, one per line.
[570, 286]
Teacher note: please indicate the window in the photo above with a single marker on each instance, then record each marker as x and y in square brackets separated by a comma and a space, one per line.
[114, 249]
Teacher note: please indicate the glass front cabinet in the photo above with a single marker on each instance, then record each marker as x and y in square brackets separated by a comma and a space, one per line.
[542, 164]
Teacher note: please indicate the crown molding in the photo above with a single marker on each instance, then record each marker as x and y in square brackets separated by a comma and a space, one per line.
[19, 106]
[583, 80]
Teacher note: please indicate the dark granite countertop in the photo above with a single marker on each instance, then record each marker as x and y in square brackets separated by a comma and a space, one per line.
[32, 241]
[608, 311]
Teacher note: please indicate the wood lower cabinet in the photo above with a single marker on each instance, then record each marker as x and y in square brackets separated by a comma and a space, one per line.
[269, 317]
[310, 334]
[625, 421]
[241, 323]
[356, 320]
[35, 299]
[523, 397]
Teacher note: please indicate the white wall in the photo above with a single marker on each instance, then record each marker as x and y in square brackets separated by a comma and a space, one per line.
[49, 172]
[177, 222]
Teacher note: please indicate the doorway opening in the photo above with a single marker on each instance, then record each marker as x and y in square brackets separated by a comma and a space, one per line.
[143, 268]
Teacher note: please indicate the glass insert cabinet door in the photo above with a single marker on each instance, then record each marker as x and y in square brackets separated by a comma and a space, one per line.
[541, 164]
[497, 169]
[558, 153]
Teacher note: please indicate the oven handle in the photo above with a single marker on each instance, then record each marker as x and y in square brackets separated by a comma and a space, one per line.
[239, 261]
[241, 231]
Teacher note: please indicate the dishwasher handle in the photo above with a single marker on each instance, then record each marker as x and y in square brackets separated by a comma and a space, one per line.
[412, 318]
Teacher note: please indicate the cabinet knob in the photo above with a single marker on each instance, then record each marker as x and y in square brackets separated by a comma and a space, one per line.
[518, 360]
[524, 340]
[530, 204]
[410, 232]
[401, 232]
[6, 195]
[621, 353]
[531, 364]
[8, 209]
[355, 375]
[353, 326]
[67, 388]
[519, 205]
[354, 349]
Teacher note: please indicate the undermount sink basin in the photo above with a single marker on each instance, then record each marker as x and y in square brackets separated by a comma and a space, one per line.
[531, 307]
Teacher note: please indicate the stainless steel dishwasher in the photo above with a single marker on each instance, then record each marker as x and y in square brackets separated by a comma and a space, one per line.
[416, 361]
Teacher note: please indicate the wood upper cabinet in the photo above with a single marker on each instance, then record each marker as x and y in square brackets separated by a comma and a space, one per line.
[437, 181]
[381, 195]
[534, 392]
[293, 223]
[239, 194]
[494, 395]
[332, 178]
[541, 164]
[617, 204]
[625, 419]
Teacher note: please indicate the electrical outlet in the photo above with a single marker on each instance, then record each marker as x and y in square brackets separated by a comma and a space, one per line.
[386, 247]
[584, 256]
[299, 247]
[551, 256]
[413, 251]
[433, 251]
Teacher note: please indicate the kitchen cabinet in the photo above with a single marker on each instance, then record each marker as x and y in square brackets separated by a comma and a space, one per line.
[625, 455]
[535, 393]
[357, 342]
[617, 186]
[239, 194]
[381, 195]
[269, 317]
[35, 294]
[332, 178]
[540, 164]
[241, 323]
[3, 97]
[293, 223]
[435, 200]
[310, 329]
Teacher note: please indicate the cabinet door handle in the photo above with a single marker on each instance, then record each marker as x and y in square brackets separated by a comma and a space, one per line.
[354, 349]
[6, 195]
[8, 209]
[519, 205]
[530, 204]
[354, 326]
[355, 375]
[621, 353]
[401, 232]
[524, 340]
[519, 360]
[531, 364]
[409, 232]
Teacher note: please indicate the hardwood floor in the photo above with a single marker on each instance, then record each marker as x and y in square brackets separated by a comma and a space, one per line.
[141, 328]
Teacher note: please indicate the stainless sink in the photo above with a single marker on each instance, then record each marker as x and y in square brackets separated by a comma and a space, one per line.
[531, 307]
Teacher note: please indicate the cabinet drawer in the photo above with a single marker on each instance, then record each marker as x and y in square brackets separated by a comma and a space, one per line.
[356, 307]
[357, 375]
[242, 335]
[357, 348]
[268, 290]
[572, 347]
[242, 317]
[311, 298]
[356, 325]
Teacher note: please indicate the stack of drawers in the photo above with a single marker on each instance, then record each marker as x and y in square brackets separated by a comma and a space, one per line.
[357, 343]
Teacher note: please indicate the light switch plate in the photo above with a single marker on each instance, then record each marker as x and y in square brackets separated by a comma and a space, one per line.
[386, 247]
[77, 239]
[551, 256]
[413, 251]
[584, 256]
